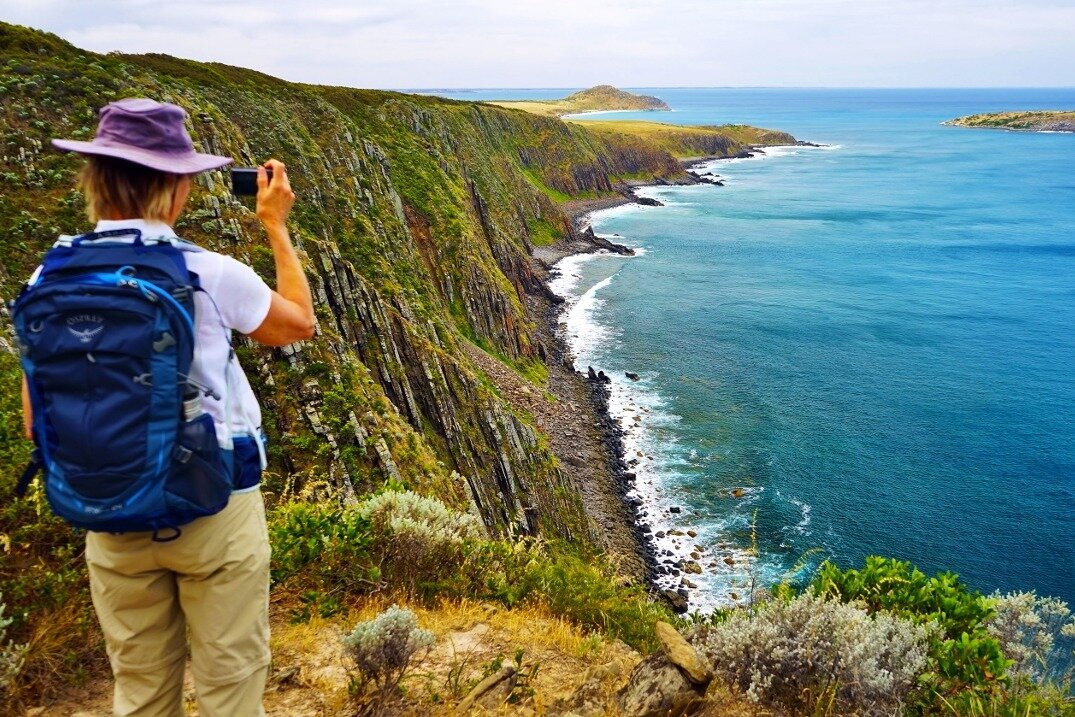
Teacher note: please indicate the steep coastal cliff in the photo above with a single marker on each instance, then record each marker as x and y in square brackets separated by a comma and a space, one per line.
[415, 223]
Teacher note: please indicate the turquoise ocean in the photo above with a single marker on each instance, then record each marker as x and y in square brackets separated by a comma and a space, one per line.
[867, 348]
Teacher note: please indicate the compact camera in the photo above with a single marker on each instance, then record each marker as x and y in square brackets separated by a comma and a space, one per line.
[244, 180]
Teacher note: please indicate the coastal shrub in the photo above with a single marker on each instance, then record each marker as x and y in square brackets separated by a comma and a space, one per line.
[963, 655]
[813, 654]
[381, 650]
[324, 543]
[582, 588]
[323, 553]
[12, 655]
[419, 538]
[1038, 635]
[1041, 702]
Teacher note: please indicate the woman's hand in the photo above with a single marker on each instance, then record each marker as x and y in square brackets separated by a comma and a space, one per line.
[275, 198]
[291, 314]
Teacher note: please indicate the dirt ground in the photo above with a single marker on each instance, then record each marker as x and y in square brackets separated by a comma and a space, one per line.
[309, 675]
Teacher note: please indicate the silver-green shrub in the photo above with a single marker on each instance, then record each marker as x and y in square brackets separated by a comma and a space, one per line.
[1037, 634]
[11, 655]
[811, 650]
[421, 537]
[382, 648]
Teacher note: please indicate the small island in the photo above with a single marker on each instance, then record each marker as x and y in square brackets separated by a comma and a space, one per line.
[602, 98]
[1021, 121]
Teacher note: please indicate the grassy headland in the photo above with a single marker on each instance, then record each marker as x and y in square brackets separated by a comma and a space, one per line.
[602, 98]
[691, 141]
[1025, 121]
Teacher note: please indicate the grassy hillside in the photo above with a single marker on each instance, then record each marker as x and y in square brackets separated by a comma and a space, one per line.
[1033, 121]
[689, 141]
[601, 98]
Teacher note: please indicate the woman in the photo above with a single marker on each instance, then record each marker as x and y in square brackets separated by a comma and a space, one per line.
[214, 577]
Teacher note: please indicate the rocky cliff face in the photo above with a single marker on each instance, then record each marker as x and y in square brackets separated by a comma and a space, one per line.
[415, 220]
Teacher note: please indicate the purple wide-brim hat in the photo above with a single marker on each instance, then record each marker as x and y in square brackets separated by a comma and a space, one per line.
[148, 133]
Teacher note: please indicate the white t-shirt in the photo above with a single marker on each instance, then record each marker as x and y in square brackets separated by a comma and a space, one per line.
[242, 299]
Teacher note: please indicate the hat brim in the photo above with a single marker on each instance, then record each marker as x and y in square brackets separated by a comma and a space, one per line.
[187, 164]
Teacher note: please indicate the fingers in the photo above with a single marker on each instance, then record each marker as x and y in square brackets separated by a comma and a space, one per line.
[275, 196]
[279, 172]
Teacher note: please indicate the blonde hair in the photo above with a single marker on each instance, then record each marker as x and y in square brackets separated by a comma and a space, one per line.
[116, 186]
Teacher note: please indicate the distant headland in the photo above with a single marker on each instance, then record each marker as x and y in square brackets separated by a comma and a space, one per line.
[602, 98]
[1023, 121]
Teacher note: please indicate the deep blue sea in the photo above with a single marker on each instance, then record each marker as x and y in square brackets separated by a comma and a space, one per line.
[862, 349]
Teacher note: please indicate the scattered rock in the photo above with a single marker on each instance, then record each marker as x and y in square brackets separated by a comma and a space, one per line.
[738, 492]
[675, 509]
[692, 533]
[632, 376]
[690, 566]
[729, 560]
[677, 601]
[487, 687]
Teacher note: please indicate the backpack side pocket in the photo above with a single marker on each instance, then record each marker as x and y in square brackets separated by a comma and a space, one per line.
[200, 481]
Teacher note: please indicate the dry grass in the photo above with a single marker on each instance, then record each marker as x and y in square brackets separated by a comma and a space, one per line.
[309, 673]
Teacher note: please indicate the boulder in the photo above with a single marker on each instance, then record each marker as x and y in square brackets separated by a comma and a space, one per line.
[631, 375]
[658, 687]
[680, 653]
[677, 601]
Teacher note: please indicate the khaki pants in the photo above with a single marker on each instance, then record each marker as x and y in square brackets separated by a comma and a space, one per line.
[214, 578]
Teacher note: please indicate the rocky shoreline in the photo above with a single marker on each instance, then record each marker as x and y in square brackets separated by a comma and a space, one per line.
[626, 535]
[589, 443]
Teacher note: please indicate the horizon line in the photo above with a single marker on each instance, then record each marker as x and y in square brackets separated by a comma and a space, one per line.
[738, 87]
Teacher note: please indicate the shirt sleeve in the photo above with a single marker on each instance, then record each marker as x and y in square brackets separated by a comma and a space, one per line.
[242, 297]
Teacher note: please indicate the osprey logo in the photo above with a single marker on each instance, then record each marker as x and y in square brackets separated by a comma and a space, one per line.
[85, 326]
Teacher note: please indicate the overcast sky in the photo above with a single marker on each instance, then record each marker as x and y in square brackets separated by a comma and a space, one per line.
[575, 43]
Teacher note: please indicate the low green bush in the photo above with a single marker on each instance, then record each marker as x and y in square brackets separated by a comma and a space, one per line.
[963, 655]
[398, 541]
[12, 655]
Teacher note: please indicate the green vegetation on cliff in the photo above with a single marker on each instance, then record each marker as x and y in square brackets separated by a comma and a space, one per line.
[691, 141]
[601, 98]
[1027, 121]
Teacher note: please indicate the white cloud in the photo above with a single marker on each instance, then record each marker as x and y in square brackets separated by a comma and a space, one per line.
[567, 43]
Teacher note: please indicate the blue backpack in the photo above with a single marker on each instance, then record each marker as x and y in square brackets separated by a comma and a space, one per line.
[106, 336]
